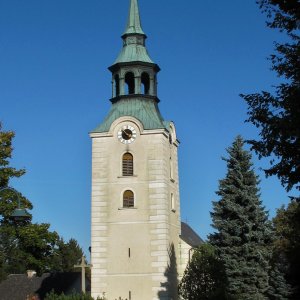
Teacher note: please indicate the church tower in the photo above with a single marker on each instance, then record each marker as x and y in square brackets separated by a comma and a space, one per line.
[135, 190]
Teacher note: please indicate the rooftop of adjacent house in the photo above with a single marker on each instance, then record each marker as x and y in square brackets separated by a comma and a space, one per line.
[20, 286]
[189, 236]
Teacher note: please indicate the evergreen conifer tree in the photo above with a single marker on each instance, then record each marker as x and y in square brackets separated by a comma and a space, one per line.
[279, 289]
[243, 232]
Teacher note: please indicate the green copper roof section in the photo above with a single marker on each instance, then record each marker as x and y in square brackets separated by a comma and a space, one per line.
[134, 21]
[133, 52]
[134, 49]
[146, 111]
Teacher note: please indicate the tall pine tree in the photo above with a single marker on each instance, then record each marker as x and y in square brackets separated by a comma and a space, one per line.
[243, 232]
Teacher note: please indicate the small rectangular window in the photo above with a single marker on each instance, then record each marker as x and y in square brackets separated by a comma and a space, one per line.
[172, 202]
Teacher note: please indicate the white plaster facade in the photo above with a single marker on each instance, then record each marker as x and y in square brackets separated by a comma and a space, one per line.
[135, 251]
[185, 253]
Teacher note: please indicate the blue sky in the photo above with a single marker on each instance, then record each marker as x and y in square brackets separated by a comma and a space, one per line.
[55, 88]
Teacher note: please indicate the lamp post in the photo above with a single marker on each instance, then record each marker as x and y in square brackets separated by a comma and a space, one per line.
[19, 214]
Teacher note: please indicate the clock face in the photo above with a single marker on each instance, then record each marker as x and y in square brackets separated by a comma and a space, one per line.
[127, 134]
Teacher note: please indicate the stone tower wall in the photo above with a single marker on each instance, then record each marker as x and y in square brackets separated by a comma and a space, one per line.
[135, 250]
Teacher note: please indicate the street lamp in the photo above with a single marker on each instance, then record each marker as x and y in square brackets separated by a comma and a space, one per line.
[19, 214]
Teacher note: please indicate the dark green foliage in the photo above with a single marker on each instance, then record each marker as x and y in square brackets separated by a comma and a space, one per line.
[27, 247]
[11, 257]
[279, 289]
[204, 277]
[53, 296]
[243, 232]
[8, 199]
[6, 172]
[278, 115]
[66, 256]
[287, 244]
[38, 243]
[35, 247]
[283, 14]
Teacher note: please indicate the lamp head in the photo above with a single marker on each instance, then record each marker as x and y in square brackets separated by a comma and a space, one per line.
[20, 214]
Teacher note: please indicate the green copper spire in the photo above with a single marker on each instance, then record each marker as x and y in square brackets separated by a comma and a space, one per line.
[134, 48]
[134, 21]
[134, 80]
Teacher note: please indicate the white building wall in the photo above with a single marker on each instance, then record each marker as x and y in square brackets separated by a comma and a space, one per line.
[150, 230]
[185, 254]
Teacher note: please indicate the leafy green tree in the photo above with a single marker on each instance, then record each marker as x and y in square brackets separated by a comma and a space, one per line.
[27, 247]
[277, 114]
[24, 245]
[38, 243]
[8, 199]
[8, 202]
[74, 296]
[66, 256]
[6, 172]
[287, 243]
[204, 277]
[243, 232]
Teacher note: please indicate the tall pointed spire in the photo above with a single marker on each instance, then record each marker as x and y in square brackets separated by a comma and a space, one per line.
[134, 39]
[134, 79]
[134, 21]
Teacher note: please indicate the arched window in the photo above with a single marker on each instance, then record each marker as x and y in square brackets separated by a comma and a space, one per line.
[145, 80]
[130, 86]
[127, 164]
[117, 85]
[128, 199]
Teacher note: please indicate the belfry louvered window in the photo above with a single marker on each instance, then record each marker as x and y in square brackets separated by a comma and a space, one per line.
[128, 199]
[127, 165]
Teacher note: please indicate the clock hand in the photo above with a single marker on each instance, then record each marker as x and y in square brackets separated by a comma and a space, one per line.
[125, 133]
[128, 134]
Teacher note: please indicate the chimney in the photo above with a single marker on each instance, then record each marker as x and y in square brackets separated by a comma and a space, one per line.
[31, 273]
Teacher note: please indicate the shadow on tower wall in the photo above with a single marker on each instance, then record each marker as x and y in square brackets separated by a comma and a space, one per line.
[170, 286]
